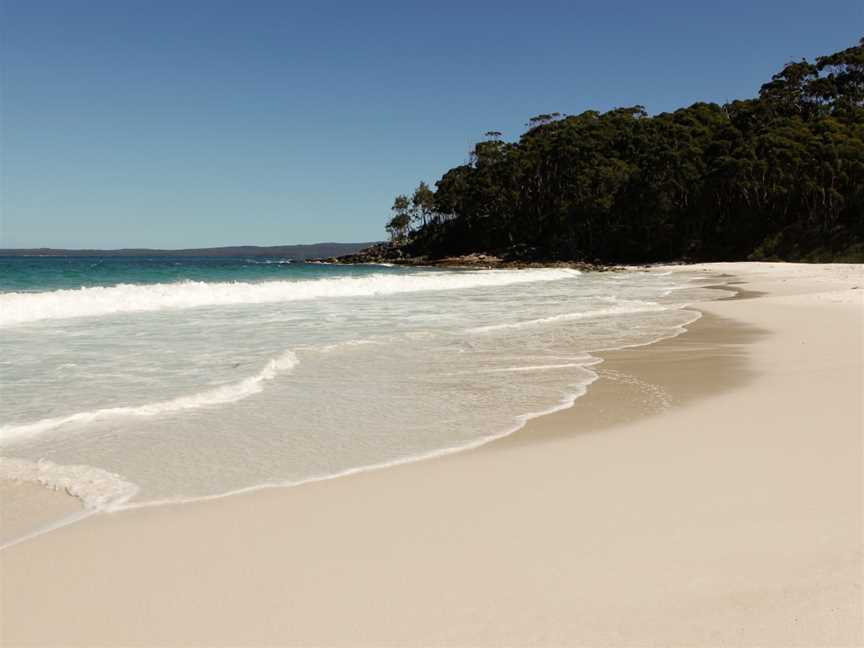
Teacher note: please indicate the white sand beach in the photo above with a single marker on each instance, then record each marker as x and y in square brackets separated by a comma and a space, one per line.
[707, 491]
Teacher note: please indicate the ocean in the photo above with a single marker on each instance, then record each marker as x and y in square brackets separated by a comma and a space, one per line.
[133, 381]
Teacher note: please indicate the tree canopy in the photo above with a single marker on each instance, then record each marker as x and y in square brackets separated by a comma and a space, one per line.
[779, 176]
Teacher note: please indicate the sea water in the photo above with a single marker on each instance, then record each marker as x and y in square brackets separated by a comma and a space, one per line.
[135, 381]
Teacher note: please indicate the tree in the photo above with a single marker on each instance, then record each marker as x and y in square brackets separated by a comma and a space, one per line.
[423, 205]
[399, 224]
[776, 176]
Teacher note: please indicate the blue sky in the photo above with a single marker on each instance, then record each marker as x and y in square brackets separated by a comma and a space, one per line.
[185, 123]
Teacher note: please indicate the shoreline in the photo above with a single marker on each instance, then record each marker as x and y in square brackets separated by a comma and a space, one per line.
[716, 517]
[638, 375]
[47, 508]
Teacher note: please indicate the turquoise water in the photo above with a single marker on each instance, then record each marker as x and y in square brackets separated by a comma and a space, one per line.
[142, 380]
[52, 273]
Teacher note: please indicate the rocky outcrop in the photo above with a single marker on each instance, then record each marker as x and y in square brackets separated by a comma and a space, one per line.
[393, 254]
[378, 253]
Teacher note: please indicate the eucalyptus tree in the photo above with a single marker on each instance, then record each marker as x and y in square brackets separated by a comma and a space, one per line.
[400, 223]
[780, 175]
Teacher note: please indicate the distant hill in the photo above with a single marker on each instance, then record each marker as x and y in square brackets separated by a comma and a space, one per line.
[296, 252]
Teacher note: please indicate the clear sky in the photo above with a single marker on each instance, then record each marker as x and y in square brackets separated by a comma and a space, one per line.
[187, 123]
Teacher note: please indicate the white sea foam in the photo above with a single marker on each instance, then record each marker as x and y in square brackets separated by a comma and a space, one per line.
[19, 308]
[546, 367]
[327, 348]
[385, 381]
[624, 307]
[96, 488]
[229, 393]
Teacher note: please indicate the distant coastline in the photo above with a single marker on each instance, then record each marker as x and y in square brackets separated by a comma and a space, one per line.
[297, 252]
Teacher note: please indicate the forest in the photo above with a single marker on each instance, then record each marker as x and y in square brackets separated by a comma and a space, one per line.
[779, 176]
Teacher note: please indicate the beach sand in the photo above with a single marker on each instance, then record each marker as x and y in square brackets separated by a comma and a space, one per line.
[707, 491]
[27, 506]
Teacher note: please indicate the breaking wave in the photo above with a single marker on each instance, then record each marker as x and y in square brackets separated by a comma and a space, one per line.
[19, 308]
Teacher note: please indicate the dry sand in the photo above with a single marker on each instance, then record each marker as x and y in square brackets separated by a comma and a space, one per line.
[706, 492]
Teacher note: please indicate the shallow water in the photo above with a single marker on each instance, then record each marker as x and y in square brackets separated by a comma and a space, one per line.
[137, 382]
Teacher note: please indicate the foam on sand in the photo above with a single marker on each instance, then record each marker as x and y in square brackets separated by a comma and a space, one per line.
[96, 488]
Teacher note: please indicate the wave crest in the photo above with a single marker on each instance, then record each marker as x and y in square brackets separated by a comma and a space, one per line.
[229, 393]
[92, 301]
[624, 307]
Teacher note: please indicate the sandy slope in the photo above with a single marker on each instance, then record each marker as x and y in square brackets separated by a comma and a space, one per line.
[707, 491]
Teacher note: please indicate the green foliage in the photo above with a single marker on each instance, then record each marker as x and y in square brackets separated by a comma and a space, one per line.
[776, 177]
[399, 225]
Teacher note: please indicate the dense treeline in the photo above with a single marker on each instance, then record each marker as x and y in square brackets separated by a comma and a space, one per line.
[778, 176]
